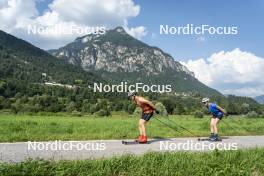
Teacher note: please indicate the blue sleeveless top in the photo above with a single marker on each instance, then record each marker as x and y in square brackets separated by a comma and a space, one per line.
[214, 110]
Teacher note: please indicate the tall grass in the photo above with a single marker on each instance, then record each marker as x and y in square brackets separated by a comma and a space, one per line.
[236, 163]
[67, 127]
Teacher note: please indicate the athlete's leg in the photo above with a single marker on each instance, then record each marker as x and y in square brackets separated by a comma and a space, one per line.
[139, 127]
[212, 125]
[142, 123]
[215, 123]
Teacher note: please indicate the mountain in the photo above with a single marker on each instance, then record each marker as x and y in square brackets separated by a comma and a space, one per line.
[24, 62]
[118, 56]
[260, 99]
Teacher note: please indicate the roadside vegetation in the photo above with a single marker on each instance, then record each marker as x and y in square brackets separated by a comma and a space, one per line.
[241, 162]
[120, 125]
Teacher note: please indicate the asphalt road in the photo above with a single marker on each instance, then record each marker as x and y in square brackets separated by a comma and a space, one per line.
[94, 149]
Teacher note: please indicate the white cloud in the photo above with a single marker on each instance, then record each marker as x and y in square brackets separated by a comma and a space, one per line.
[17, 15]
[92, 12]
[14, 12]
[3, 3]
[235, 72]
[137, 32]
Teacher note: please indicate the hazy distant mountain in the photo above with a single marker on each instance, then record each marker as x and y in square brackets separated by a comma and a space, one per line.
[260, 99]
[118, 56]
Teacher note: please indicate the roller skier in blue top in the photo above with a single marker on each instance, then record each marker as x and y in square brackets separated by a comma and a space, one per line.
[217, 113]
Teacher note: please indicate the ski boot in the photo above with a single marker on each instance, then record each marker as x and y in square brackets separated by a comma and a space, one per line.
[143, 140]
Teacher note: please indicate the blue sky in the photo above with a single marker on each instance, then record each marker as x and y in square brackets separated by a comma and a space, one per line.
[43, 5]
[248, 16]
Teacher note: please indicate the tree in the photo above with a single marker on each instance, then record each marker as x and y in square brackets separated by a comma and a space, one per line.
[70, 107]
[94, 108]
[2, 99]
[169, 104]
[245, 108]
[18, 95]
[252, 114]
[86, 107]
[198, 114]
[101, 108]
[161, 108]
[131, 108]
[137, 111]
[179, 109]
[102, 112]
[17, 106]
[103, 104]
[232, 108]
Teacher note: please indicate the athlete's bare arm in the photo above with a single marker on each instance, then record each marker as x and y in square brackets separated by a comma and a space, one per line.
[143, 100]
[221, 109]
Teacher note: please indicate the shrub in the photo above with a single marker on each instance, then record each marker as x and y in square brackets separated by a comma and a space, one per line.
[71, 107]
[102, 108]
[179, 109]
[205, 110]
[86, 107]
[17, 106]
[76, 113]
[169, 104]
[102, 104]
[161, 108]
[198, 114]
[2, 99]
[94, 108]
[252, 114]
[137, 111]
[102, 112]
[131, 108]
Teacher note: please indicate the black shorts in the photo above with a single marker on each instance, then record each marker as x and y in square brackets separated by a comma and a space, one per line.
[218, 117]
[146, 116]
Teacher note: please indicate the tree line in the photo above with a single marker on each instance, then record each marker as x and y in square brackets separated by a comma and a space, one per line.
[20, 96]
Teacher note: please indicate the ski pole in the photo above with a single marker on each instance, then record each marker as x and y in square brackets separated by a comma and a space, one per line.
[194, 135]
[180, 127]
[229, 126]
[246, 129]
[168, 125]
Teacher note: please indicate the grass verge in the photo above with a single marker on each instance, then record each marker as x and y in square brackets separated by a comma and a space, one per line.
[241, 162]
[21, 127]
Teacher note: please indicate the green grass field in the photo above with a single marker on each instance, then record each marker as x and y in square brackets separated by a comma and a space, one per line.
[236, 163]
[21, 127]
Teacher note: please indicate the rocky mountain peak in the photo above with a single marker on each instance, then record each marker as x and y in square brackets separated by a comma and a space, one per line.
[117, 51]
[118, 56]
[120, 29]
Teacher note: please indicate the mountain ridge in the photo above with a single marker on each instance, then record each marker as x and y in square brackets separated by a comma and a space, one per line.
[117, 53]
[118, 41]
[23, 61]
